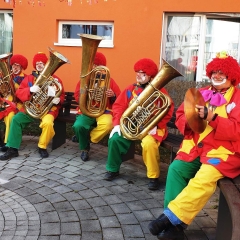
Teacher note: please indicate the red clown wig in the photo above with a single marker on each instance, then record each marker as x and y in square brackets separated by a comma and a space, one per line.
[39, 57]
[146, 65]
[226, 64]
[100, 59]
[19, 59]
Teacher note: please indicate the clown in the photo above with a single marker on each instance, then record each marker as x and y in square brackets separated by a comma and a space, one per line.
[18, 63]
[21, 119]
[203, 158]
[102, 124]
[145, 70]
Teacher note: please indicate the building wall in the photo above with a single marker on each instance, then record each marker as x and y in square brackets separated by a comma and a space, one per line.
[137, 31]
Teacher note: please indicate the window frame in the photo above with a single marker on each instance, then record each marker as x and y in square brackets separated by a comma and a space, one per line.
[7, 11]
[78, 42]
[204, 17]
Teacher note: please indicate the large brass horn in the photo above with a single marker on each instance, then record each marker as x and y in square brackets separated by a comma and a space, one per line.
[144, 114]
[40, 102]
[94, 82]
[6, 78]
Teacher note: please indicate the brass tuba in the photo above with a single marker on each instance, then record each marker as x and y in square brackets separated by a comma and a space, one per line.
[143, 114]
[6, 78]
[40, 102]
[94, 82]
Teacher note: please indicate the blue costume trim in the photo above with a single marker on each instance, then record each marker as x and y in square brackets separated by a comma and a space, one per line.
[172, 217]
[214, 161]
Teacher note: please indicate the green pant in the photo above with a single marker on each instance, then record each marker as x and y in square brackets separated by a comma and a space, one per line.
[117, 146]
[179, 174]
[19, 122]
[81, 128]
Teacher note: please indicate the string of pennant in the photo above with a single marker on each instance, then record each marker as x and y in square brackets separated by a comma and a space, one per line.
[42, 3]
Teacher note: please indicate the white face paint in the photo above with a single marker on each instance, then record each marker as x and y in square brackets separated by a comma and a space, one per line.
[16, 69]
[142, 78]
[217, 83]
[40, 66]
[218, 78]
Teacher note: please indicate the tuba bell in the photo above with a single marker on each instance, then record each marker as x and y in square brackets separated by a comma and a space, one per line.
[94, 82]
[144, 114]
[6, 78]
[40, 102]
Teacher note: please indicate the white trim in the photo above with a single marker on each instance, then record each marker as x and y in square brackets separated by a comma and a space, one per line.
[6, 11]
[76, 42]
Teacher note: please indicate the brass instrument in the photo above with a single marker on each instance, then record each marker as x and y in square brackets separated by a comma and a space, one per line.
[40, 102]
[6, 78]
[143, 114]
[94, 82]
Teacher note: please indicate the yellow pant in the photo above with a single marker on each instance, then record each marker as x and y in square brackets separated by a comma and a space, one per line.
[8, 120]
[46, 124]
[151, 156]
[196, 194]
[104, 126]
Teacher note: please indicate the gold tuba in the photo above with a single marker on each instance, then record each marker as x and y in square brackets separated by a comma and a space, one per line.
[143, 114]
[40, 102]
[94, 82]
[6, 78]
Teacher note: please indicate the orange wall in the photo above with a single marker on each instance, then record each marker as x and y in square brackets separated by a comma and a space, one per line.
[137, 26]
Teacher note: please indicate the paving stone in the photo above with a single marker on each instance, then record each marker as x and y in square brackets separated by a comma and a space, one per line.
[96, 202]
[127, 218]
[120, 208]
[90, 226]
[72, 196]
[133, 231]
[87, 214]
[50, 229]
[104, 211]
[55, 197]
[49, 217]
[66, 181]
[72, 237]
[69, 216]
[62, 189]
[112, 234]
[70, 228]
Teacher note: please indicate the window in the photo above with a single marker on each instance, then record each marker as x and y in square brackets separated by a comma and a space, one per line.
[68, 32]
[191, 41]
[6, 31]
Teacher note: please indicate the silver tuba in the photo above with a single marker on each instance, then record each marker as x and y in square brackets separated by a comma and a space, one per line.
[40, 102]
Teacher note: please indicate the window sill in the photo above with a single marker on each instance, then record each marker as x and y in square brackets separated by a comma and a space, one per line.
[101, 45]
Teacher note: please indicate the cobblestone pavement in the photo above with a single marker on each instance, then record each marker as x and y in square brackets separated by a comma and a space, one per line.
[62, 197]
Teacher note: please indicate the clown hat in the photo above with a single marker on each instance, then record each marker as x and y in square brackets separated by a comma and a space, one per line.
[39, 57]
[100, 59]
[226, 64]
[19, 59]
[146, 65]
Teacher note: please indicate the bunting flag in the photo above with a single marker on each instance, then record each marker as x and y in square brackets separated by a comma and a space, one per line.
[42, 3]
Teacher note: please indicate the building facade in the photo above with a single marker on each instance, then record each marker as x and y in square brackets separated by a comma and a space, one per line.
[187, 34]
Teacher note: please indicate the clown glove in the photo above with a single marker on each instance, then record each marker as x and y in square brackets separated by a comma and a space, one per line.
[35, 88]
[56, 100]
[116, 129]
[153, 131]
